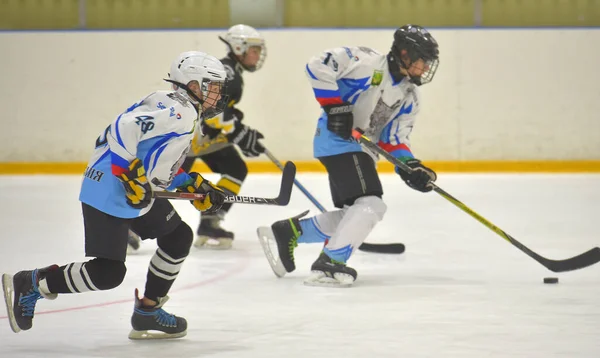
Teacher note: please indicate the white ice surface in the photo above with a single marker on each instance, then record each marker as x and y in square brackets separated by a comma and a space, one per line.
[459, 290]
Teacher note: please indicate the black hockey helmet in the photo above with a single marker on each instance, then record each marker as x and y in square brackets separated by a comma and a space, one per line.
[419, 44]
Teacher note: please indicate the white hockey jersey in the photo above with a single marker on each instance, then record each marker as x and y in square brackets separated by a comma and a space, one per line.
[157, 130]
[383, 108]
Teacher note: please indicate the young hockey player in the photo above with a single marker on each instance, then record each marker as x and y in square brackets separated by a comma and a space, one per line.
[139, 152]
[246, 52]
[358, 87]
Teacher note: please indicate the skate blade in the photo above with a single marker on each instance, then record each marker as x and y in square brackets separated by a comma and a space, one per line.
[320, 279]
[205, 242]
[7, 287]
[148, 335]
[266, 237]
[131, 250]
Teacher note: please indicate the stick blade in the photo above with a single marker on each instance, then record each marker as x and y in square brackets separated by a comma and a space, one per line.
[396, 248]
[584, 260]
[287, 183]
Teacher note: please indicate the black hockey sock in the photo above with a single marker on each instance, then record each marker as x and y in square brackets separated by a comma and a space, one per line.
[164, 267]
[94, 275]
[230, 185]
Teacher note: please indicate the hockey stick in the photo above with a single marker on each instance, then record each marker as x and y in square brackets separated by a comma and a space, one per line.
[585, 259]
[395, 248]
[285, 192]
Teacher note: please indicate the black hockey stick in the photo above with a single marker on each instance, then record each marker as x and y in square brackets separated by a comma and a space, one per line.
[285, 192]
[585, 259]
[395, 248]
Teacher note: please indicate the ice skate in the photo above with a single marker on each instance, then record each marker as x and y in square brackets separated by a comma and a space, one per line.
[284, 234]
[133, 242]
[327, 272]
[21, 293]
[211, 235]
[155, 323]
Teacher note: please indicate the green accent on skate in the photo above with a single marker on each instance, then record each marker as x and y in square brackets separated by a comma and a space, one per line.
[332, 260]
[294, 241]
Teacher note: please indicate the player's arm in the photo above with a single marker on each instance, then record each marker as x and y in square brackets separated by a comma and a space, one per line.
[323, 71]
[165, 172]
[122, 139]
[164, 168]
[395, 140]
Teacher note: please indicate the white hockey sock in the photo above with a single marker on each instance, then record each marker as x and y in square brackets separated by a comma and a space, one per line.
[354, 227]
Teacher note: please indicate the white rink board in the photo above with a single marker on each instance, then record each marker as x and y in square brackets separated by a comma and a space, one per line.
[498, 94]
[459, 291]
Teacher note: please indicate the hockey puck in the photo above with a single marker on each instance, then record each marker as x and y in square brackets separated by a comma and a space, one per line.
[550, 279]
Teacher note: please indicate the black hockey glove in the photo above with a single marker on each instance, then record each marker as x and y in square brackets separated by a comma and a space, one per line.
[215, 196]
[137, 189]
[421, 177]
[340, 119]
[247, 139]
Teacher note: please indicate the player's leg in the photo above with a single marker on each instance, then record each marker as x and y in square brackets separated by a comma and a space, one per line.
[355, 186]
[282, 237]
[227, 162]
[346, 184]
[174, 239]
[105, 240]
[134, 241]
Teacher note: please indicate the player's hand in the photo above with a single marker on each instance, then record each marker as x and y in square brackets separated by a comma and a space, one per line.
[137, 189]
[340, 119]
[421, 177]
[215, 196]
[247, 139]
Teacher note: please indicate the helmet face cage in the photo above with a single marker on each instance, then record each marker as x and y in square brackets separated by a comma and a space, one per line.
[427, 75]
[221, 89]
[419, 44]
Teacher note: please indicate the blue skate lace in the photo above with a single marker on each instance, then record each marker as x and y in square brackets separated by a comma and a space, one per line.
[162, 317]
[165, 319]
[28, 301]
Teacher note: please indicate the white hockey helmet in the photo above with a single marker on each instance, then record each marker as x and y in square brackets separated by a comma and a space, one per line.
[198, 66]
[240, 38]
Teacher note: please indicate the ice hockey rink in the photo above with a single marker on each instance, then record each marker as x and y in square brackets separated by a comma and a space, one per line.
[459, 290]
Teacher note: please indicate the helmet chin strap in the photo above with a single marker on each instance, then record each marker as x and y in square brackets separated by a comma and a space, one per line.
[193, 96]
[394, 67]
[394, 64]
[208, 113]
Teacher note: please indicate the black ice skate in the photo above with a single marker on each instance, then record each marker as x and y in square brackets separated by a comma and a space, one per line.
[155, 323]
[328, 272]
[284, 234]
[211, 235]
[133, 242]
[25, 287]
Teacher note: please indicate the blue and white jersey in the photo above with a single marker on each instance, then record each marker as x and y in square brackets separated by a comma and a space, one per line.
[157, 130]
[383, 108]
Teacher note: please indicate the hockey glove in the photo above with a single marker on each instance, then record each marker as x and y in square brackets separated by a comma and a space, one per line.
[247, 139]
[215, 196]
[340, 119]
[137, 189]
[420, 178]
